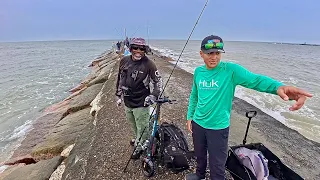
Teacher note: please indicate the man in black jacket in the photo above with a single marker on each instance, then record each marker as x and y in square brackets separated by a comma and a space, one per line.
[136, 73]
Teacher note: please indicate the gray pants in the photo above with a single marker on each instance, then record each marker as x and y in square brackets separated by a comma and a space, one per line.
[216, 143]
[139, 119]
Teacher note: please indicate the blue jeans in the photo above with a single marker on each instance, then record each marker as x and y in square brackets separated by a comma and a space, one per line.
[216, 143]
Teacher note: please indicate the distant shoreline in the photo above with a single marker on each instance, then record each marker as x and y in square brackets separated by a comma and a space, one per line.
[59, 40]
[302, 44]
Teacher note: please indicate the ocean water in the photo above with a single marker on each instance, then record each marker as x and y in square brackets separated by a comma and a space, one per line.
[294, 65]
[34, 75]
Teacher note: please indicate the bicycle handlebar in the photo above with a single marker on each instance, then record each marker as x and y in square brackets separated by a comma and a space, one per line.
[165, 100]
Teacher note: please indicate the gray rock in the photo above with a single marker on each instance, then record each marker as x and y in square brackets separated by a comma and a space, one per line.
[85, 98]
[98, 65]
[9, 170]
[39, 171]
[103, 75]
[77, 161]
[41, 127]
[90, 77]
[108, 59]
[57, 174]
[64, 133]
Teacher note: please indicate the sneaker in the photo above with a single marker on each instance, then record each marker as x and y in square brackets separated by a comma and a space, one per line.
[136, 154]
[132, 141]
[193, 176]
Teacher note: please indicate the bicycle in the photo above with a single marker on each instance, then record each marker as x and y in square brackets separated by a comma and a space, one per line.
[152, 145]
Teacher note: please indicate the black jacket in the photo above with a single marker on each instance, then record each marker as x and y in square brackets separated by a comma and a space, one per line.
[134, 79]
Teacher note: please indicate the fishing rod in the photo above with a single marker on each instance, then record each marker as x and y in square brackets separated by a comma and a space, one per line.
[137, 31]
[148, 33]
[205, 5]
[118, 33]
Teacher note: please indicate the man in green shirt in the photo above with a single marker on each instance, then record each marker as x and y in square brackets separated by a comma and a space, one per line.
[210, 104]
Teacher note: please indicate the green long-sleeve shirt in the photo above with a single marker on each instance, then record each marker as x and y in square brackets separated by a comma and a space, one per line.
[213, 90]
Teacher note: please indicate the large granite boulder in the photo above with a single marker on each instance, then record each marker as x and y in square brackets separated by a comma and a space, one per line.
[84, 99]
[41, 127]
[64, 133]
[103, 74]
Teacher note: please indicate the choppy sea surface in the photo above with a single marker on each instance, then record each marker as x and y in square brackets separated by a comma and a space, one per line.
[34, 75]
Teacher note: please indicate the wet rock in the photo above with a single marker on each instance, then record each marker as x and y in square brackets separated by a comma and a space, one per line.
[41, 127]
[39, 171]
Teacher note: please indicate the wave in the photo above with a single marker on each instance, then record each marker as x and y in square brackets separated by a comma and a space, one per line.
[17, 132]
[2, 168]
[166, 52]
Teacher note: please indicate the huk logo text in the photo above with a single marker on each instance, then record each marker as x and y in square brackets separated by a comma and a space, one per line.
[210, 84]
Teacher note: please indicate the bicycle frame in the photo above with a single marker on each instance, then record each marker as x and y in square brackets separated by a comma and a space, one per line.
[148, 162]
[156, 117]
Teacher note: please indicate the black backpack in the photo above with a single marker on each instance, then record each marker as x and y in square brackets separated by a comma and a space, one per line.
[173, 148]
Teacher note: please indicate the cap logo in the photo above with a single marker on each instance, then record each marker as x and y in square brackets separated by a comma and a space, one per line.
[213, 41]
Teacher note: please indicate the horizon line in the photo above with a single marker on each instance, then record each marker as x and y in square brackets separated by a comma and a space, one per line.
[153, 39]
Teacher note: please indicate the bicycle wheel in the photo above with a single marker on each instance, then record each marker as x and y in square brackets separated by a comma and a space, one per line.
[148, 167]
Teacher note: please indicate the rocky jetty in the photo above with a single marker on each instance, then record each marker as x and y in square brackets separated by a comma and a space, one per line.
[86, 136]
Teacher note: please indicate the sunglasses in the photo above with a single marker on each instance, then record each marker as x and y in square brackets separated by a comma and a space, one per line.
[213, 45]
[142, 48]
